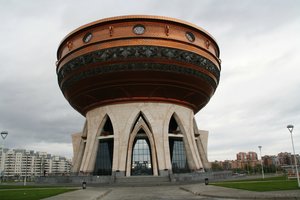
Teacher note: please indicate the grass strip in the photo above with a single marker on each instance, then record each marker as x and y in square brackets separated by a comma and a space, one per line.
[261, 185]
[275, 178]
[31, 194]
[29, 186]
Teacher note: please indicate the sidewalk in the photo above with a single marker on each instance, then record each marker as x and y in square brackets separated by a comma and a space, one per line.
[200, 189]
[92, 193]
[222, 192]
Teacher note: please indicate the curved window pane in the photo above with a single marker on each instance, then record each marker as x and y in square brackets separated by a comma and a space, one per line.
[141, 158]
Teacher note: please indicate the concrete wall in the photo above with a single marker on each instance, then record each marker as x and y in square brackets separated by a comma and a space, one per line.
[186, 177]
[200, 177]
[73, 179]
[123, 117]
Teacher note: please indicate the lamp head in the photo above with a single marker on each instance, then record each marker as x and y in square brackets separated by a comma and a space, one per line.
[4, 134]
[290, 127]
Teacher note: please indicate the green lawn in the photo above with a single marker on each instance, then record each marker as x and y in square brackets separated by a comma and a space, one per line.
[273, 178]
[27, 193]
[261, 185]
[27, 186]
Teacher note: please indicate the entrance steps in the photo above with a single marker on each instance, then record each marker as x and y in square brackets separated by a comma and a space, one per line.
[142, 180]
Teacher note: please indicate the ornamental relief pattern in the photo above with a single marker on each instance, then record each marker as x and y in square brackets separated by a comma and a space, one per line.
[95, 71]
[118, 53]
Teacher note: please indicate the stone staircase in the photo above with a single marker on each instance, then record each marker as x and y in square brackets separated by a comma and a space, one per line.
[142, 180]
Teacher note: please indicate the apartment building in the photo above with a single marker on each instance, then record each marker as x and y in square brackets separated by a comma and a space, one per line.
[20, 163]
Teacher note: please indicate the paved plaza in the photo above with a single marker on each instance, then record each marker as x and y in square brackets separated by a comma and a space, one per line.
[173, 192]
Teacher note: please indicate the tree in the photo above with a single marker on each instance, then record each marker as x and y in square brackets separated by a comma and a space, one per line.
[216, 167]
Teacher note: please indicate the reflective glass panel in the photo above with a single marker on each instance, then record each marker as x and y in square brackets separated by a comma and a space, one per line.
[103, 165]
[178, 156]
[141, 158]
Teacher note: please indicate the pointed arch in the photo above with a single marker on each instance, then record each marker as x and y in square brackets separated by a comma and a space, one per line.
[104, 148]
[177, 146]
[107, 128]
[141, 116]
[173, 125]
[141, 127]
[141, 155]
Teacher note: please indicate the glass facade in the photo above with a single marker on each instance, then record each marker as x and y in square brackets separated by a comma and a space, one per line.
[103, 165]
[141, 157]
[178, 156]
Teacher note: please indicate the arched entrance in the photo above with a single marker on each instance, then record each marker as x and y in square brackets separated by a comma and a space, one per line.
[141, 153]
[141, 163]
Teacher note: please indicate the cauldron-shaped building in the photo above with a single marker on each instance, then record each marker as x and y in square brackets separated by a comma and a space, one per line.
[139, 81]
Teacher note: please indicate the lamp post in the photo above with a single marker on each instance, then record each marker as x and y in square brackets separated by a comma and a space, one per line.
[3, 135]
[262, 166]
[291, 127]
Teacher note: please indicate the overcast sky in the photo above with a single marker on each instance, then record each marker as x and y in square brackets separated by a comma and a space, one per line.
[258, 94]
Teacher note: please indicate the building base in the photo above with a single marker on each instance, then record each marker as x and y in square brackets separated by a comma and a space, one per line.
[138, 139]
[136, 180]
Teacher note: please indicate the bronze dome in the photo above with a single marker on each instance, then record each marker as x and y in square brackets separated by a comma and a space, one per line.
[138, 58]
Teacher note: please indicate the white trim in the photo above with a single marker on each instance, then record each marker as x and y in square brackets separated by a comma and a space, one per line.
[175, 135]
[105, 137]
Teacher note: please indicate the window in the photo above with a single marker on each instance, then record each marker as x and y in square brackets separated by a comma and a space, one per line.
[107, 128]
[141, 156]
[177, 149]
[104, 159]
[178, 156]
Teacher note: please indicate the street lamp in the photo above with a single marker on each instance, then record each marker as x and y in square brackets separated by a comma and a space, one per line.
[291, 127]
[3, 135]
[262, 166]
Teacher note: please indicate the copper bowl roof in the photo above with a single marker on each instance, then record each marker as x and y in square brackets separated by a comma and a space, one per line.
[138, 58]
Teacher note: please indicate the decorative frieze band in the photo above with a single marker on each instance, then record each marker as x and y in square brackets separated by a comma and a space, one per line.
[119, 53]
[136, 67]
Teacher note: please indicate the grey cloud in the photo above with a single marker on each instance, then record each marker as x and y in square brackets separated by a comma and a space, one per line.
[257, 96]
